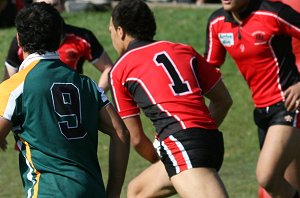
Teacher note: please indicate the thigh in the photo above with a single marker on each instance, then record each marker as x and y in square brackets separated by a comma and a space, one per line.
[280, 149]
[152, 182]
[203, 182]
[292, 174]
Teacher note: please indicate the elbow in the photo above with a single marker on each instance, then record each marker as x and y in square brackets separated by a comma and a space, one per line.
[229, 102]
[122, 135]
[126, 136]
[135, 141]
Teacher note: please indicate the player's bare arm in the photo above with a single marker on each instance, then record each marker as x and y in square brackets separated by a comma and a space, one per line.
[113, 125]
[5, 127]
[104, 65]
[220, 102]
[139, 140]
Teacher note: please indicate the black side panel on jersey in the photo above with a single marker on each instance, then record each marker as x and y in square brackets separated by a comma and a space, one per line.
[288, 72]
[164, 124]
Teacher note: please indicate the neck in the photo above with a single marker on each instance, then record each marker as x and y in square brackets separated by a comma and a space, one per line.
[25, 54]
[242, 8]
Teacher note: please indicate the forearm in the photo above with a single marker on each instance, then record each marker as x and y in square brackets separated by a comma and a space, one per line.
[5, 127]
[103, 80]
[146, 149]
[219, 110]
[118, 159]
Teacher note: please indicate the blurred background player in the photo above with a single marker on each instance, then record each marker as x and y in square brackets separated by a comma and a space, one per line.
[55, 114]
[78, 45]
[168, 82]
[257, 34]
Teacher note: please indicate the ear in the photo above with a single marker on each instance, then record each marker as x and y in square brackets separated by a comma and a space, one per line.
[121, 33]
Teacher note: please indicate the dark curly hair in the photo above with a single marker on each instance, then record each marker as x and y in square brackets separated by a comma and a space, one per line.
[136, 19]
[39, 28]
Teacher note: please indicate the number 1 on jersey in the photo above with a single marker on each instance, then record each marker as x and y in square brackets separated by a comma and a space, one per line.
[179, 86]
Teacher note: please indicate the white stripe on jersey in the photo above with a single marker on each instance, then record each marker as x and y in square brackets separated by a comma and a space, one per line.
[11, 103]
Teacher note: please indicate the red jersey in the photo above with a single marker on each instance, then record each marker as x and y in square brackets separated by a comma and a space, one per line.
[167, 81]
[260, 45]
[78, 45]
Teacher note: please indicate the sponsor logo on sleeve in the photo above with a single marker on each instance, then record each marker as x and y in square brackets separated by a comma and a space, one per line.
[226, 39]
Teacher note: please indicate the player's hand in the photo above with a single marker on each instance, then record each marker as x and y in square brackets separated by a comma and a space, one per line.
[3, 145]
[292, 97]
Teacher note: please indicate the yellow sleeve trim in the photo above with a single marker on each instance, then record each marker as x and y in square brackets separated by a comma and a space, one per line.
[10, 85]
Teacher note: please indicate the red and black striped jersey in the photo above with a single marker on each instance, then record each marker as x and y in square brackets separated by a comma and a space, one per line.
[260, 45]
[167, 81]
[78, 45]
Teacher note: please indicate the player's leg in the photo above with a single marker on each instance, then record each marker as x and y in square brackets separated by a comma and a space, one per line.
[292, 174]
[262, 193]
[203, 182]
[152, 182]
[279, 150]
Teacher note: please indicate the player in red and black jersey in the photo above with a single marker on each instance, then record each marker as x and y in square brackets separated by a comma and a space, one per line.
[258, 34]
[78, 45]
[168, 82]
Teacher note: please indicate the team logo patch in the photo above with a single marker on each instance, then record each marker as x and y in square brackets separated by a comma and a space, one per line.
[288, 118]
[259, 37]
[226, 39]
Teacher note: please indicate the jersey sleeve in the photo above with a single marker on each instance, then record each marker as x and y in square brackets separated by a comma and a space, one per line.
[208, 75]
[215, 52]
[10, 93]
[13, 56]
[123, 100]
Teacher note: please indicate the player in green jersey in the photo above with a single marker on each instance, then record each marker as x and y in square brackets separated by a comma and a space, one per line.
[55, 114]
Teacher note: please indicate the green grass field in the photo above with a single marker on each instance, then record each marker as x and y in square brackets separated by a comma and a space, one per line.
[185, 25]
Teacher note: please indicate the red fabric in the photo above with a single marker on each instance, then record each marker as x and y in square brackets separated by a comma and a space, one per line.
[133, 87]
[262, 193]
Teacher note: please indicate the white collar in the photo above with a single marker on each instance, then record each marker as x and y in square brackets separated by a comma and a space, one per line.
[35, 56]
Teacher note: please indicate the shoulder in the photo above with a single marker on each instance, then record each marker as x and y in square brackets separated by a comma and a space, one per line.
[217, 14]
[280, 9]
[272, 6]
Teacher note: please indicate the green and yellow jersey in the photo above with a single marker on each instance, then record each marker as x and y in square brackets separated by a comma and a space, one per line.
[54, 111]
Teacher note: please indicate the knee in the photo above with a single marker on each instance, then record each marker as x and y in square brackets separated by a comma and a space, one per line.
[268, 180]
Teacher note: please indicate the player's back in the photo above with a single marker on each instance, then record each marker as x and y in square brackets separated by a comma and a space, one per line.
[167, 81]
[57, 119]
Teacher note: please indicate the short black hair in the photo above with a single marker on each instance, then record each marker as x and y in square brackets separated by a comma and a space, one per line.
[39, 27]
[136, 19]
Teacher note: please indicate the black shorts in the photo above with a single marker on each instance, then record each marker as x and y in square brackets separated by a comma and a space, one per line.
[274, 115]
[192, 148]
